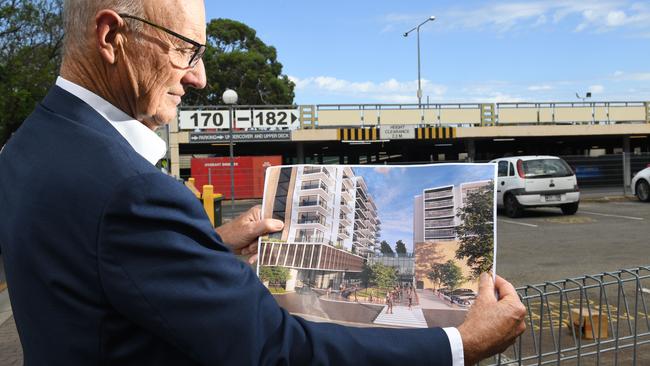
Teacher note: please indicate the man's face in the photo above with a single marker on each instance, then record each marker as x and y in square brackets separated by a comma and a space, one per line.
[157, 65]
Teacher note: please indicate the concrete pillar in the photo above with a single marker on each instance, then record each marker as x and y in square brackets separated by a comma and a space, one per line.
[291, 282]
[470, 148]
[300, 152]
[627, 169]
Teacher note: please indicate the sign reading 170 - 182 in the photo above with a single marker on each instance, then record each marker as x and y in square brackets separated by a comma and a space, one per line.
[272, 119]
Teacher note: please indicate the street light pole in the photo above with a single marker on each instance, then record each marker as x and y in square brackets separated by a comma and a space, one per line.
[417, 29]
[230, 97]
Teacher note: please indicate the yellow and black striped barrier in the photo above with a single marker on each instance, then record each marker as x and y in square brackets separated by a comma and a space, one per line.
[435, 133]
[358, 134]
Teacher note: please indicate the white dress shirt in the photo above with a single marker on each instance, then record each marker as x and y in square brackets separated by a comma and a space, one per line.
[143, 140]
[151, 147]
[456, 342]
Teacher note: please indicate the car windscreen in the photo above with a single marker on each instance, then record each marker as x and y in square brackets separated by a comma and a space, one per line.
[546, 168]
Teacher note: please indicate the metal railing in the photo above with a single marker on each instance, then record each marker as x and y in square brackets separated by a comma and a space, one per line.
[601, 319]
[458, 114]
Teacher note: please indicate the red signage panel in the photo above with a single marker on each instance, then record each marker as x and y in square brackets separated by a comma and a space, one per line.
[249, 174]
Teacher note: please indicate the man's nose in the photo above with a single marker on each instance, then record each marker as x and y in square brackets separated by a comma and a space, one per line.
[196, 77]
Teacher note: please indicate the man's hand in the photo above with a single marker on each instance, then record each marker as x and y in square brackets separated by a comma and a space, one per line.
[241, 234]
[492, 325]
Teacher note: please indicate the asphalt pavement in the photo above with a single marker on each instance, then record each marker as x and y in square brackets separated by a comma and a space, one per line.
[545, 245]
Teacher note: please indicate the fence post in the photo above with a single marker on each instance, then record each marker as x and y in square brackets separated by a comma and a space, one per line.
[627, 169]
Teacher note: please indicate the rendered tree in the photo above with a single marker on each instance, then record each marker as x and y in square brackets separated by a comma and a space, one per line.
[400, 247]
[476, 233]
[451, 275]
[31, 37]
[385, 248]
[275, 275]
[236, 58]
[435, 274]
[382, 276]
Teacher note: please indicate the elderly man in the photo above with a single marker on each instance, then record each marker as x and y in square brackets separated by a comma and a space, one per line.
[111, 262]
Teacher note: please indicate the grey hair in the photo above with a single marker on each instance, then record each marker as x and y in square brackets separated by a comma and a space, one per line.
[79, 16]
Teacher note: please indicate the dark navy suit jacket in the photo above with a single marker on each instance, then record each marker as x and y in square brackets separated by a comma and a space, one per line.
[111, 262]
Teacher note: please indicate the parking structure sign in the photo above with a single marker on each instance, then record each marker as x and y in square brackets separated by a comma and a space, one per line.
[398, 132]
[268, 119]
[247, 119]
[249, 136]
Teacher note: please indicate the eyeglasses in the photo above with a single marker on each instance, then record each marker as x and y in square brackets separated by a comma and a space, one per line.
[199, 49]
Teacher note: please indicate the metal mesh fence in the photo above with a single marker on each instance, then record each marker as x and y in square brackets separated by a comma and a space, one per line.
[591, 320]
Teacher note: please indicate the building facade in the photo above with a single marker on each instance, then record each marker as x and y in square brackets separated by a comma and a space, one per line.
[435, 210]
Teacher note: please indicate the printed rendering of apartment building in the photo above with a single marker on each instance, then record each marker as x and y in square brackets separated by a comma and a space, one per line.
[434, 216]
[331, 222]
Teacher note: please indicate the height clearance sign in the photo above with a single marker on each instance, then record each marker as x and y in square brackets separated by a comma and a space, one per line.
[268, 119]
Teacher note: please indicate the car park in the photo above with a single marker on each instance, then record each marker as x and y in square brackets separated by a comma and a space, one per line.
[641, 185]
[536, 181]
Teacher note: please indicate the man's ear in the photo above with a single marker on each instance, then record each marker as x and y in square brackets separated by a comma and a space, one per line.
[109, 34]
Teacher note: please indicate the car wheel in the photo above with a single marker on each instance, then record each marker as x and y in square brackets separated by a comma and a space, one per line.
[643, 191]
[570, 208]
[513, 208]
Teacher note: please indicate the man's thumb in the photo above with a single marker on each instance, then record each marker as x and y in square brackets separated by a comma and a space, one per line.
[486, 287]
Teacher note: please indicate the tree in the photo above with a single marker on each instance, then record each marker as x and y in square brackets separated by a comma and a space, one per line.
[400, 247]
[448, 274]
[451, 275]
[236, 58]
[31, 37]
[382, 276]
[275, 275]
[476, 233]
[385, 248]
[435, 274]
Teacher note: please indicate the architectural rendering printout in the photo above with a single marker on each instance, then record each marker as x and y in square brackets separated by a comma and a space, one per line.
[377, 246]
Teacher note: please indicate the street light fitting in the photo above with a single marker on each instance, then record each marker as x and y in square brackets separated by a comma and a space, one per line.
[417, 28]
[230, 97]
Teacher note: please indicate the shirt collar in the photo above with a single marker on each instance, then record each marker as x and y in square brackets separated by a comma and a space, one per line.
[143, 140]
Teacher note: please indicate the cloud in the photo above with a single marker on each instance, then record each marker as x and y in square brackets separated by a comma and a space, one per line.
[597, 89]
[590, 15]
[492, 92]
[543, 87]
[391, 90]
[623, 76]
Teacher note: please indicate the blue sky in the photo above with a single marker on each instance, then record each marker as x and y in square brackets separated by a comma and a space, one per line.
[394, 189]
[492, 51]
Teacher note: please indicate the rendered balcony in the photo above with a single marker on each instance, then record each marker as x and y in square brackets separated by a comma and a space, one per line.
[439, 203]
[439, 213]
[439, 223]
[317, 173]
[438, 194]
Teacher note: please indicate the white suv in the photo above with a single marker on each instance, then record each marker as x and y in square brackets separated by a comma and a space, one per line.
[536, 181]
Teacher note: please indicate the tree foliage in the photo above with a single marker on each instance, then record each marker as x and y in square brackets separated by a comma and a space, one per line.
[275, 275]
[447, 274]
[476, 233]
[400, 247]
[236, 58]
[31, 38]
[384, 248]
[382, 276]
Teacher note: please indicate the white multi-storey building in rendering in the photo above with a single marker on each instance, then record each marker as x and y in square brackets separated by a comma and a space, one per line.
[331, 220]
[435, 211]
